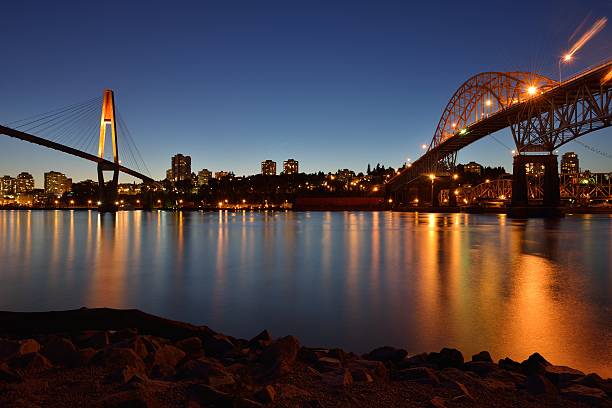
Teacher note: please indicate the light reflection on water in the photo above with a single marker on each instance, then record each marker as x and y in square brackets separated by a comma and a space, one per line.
[351, 279]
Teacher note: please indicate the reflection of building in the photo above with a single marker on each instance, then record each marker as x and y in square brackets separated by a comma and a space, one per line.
[181, 168]
[473, 167]
[57, 183]
[268, 168]
[535, 169]
[291, 166]
[570, 163]
[24, 183]
[204, 177]
[7, 185]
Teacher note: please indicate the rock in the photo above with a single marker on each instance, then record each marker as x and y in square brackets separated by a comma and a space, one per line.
[281, 355]
[535, 364]
[126, 374]
[168, 355]
[121, 335]
[138, 344]
[11, 348]
[96, 339]
[361, 375]
[191, 345]
[447, 357]
[341, 378]
[263, 339]
[313, 372]
[8, 375]
[266, 395]
[581, 393]
[217, 345]
[539, 385]
[482, 356]
[423, 375]
[482, 368]
[125, 399]
[220, 379]
[328, 364]
[595, 381]
[464, 393]
[376, 368]
[30, 361]
[338, 354]
[418, 360]
[61, 352]
[437, 402]
[247, 403]
[561, 375]
[118, 357]
[85, 355]
[510, 365]
[386, 353]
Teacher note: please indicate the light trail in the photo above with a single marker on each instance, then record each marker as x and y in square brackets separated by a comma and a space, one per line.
[597, 27]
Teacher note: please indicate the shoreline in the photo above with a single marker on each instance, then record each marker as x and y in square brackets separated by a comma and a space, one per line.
[111, 358]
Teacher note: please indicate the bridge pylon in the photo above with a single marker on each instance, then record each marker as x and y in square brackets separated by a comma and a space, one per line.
[108, 191]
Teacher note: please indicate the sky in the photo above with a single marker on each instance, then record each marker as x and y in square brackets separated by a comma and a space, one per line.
[333, 84]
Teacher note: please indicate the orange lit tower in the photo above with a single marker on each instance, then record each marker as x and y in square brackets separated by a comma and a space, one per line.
[108, 192]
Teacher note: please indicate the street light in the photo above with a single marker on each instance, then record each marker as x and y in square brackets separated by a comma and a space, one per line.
[566, 59]
[432, 177]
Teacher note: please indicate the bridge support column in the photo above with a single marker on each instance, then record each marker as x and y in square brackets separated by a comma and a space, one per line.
[108, 192]
[552, 196]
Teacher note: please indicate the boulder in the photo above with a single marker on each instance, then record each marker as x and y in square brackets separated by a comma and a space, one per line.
[386, 353]
[8, 375]
[125, 374]
[437, 402]
[96, 339]
[581, 393]
[561, 374]
[85, 355]
[539, 385]
[510, 365]
[191, 345]
[30, 361]
[291, 391]
[263, 339]
[447, 357]
[281, 355]
[328, 364]
[362, 375]
[535, 364]
[138, 344]
[595, 381]
[482, 356]
[418, 360]
[217, 345]
[376, 368]
[168, 355]
[61, 352]
[340, 378]
[123, 334]
[207, 396]
[11, 348]
[265, 395]
[422, 375]
[482, 368]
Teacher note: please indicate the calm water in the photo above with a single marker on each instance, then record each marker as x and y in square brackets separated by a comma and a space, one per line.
[353, 279]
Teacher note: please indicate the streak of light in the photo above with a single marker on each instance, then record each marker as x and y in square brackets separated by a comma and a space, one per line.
[607, 78]
[597, 27]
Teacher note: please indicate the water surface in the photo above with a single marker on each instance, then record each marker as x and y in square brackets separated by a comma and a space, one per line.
[355, 280]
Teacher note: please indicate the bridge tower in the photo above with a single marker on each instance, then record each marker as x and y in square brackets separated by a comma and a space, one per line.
[108, 192]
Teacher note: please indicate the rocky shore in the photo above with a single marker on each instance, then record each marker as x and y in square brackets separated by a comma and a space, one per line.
[127, 358]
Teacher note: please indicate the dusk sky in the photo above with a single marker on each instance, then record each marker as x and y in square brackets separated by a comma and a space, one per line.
[333, 84]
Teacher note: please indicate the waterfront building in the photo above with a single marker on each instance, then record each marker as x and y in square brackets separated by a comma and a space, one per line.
[57, 183]
[473, 167]
[24, 183]
[169, 175]
[204, 177]
[223, 174]
[181, 167]
[570, 163]
[268, 168]
[7, 185]
[535, 169]
[291, 166]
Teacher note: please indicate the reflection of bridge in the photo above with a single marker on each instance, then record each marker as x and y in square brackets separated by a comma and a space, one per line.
[64, 119]
[542, 114]
[500, 190]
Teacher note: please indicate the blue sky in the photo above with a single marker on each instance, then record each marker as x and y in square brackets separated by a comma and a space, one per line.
[333, 84]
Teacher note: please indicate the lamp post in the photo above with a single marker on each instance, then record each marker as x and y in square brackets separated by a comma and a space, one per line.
[566, 58]
[432, 177]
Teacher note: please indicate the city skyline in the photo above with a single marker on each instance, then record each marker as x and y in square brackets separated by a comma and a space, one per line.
[228, 89]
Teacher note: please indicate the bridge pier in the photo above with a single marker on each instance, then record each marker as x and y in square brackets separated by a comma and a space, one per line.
[108, 192]
[520, 207]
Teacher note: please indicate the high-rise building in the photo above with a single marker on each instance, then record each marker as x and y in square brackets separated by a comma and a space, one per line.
[570, 163]
[181, 167]
[57, 183]
[473, 167]
[204, 177]
[24, 183]
[223, 174]
[7, 185]
[169, 175]
[290, 166]
[268, 168]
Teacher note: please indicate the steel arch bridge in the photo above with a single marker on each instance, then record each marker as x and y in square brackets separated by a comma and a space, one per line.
[542, 114]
